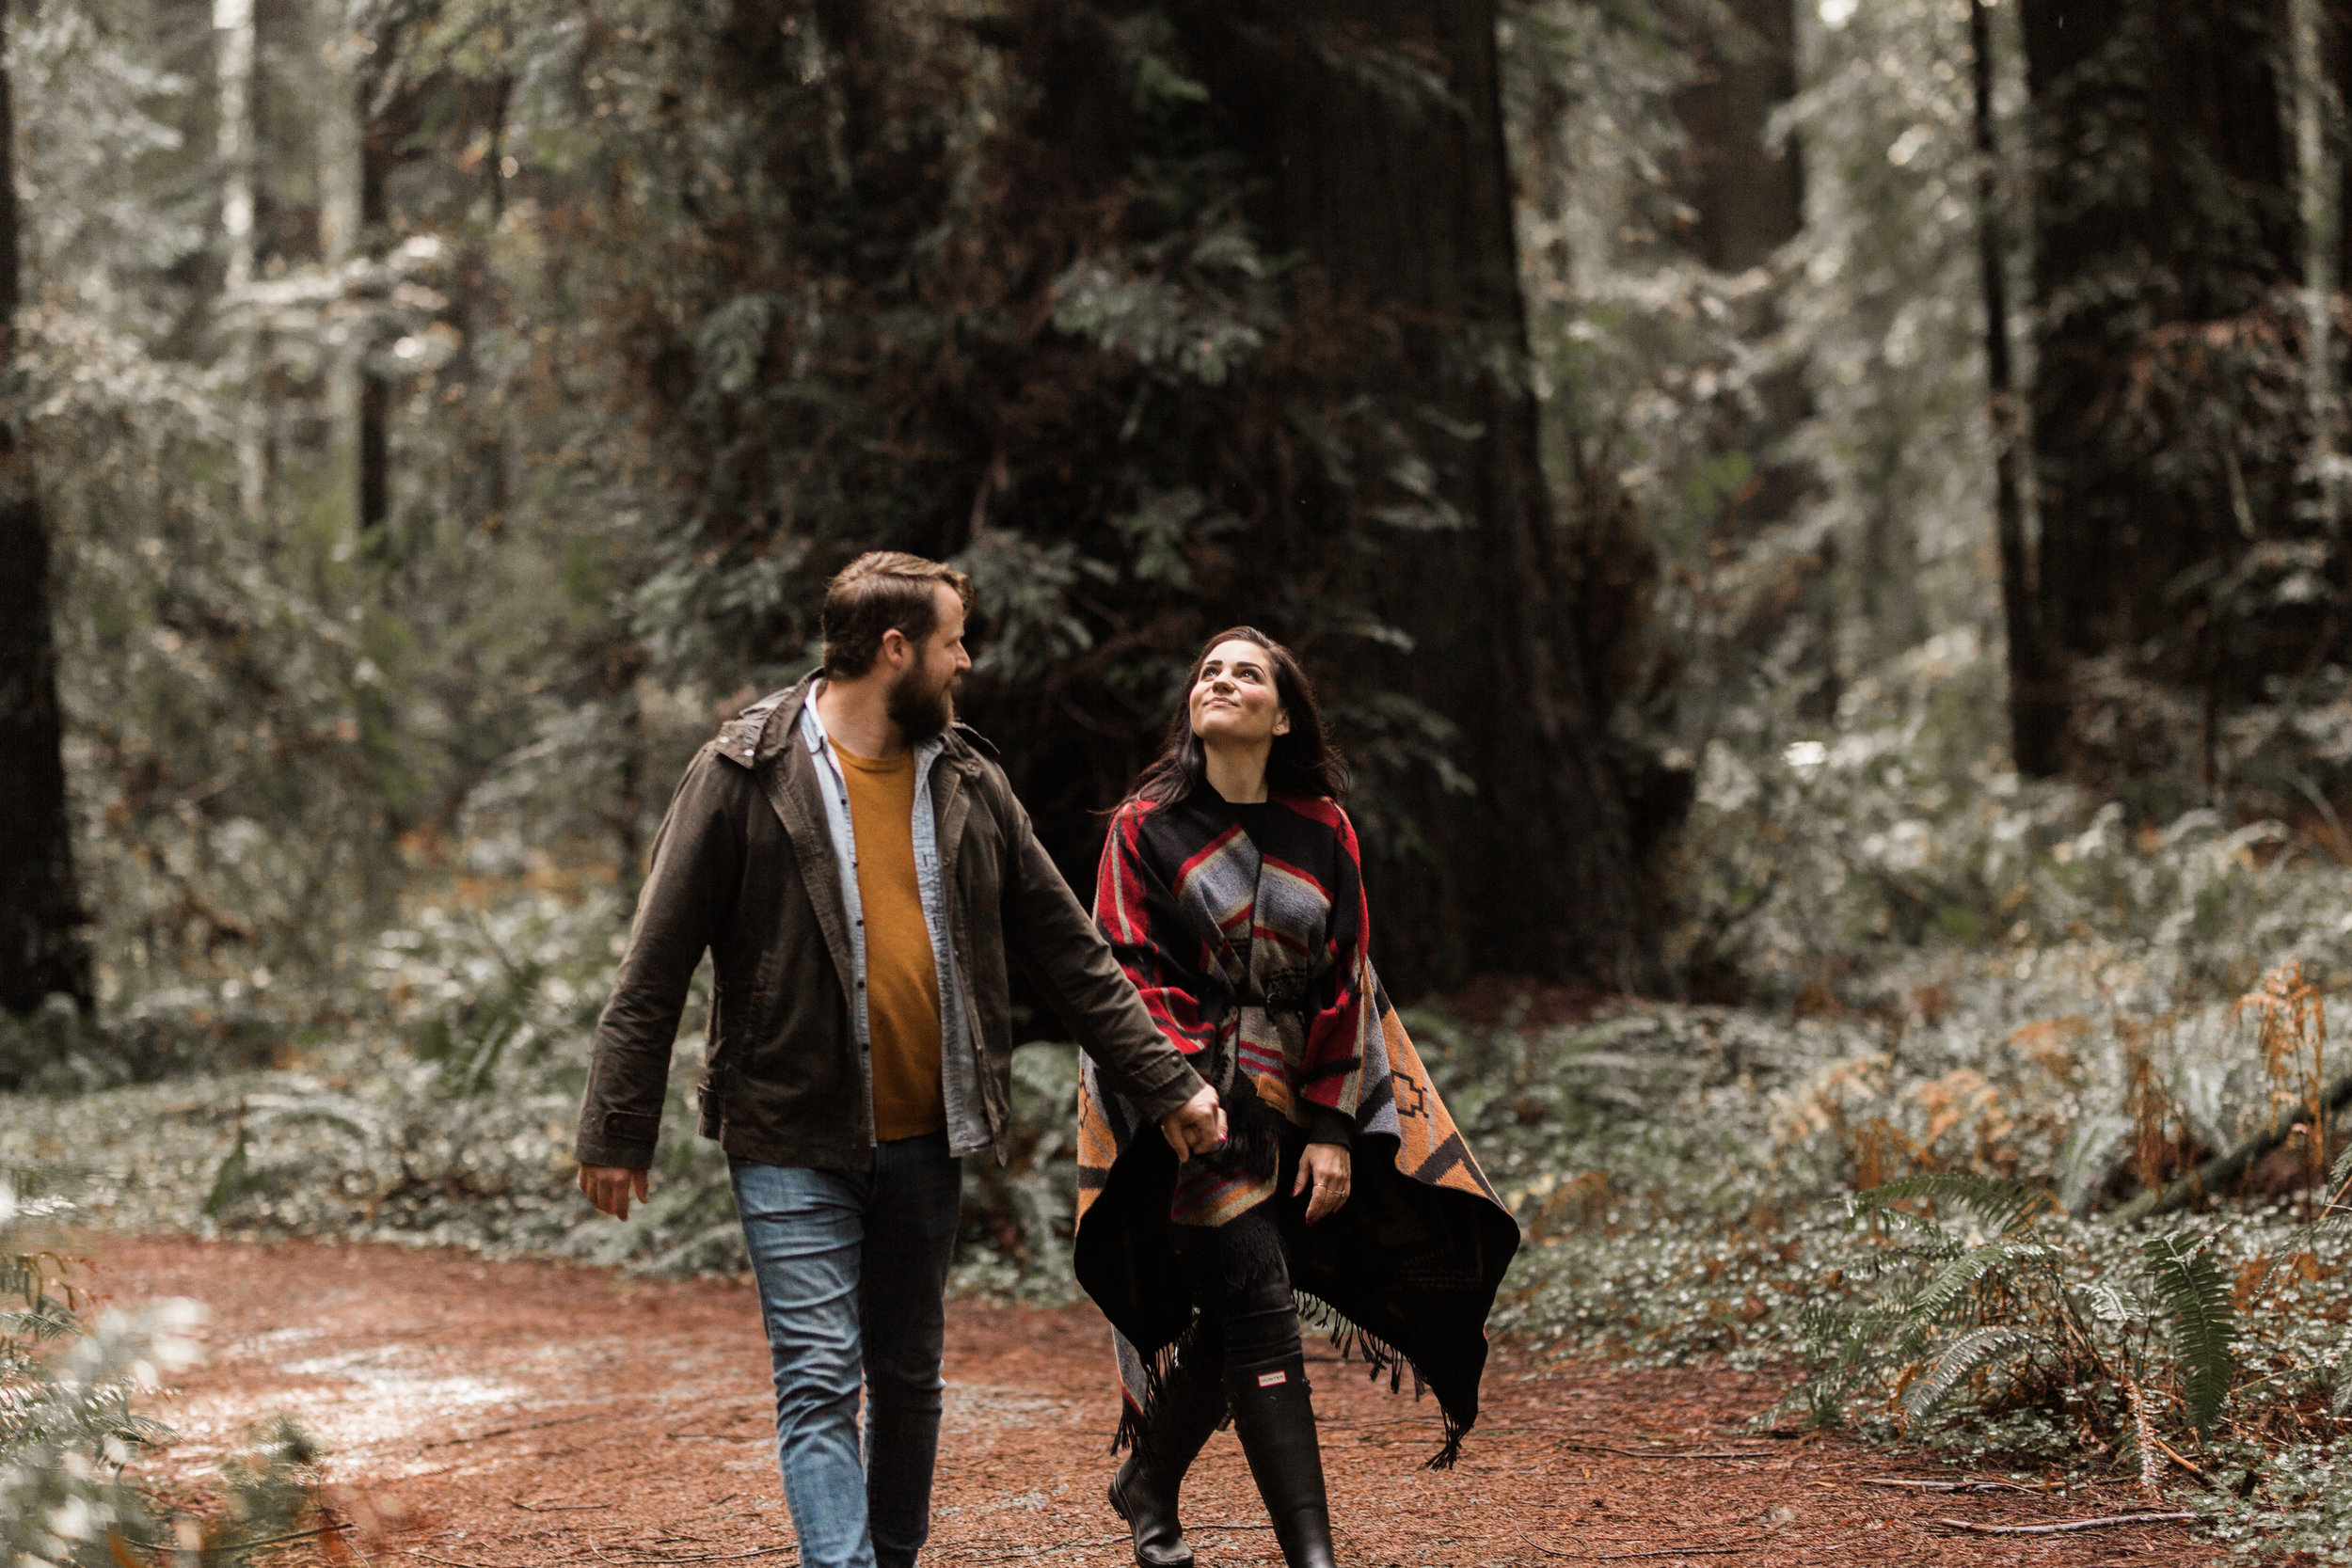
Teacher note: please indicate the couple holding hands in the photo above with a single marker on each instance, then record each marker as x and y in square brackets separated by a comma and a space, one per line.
[1254, 1125]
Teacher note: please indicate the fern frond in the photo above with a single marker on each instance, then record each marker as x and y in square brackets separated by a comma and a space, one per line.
[1976, 1348]
[1845, 1340]
[2201, 1319]
[1909, 1235]
[2006, 1207]
[1947, 1284]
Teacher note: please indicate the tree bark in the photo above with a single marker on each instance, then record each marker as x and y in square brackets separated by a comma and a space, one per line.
[42, 950]
[237, 37]
[2316, 155]
[2164, 201]
[341, 181]
[378, 143]
[2036, 702]
[479, 306]
[1400, 201]
[1747, 198]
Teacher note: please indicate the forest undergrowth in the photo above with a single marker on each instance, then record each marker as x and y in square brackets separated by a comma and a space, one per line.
[1951, 1155]
[72, 1383]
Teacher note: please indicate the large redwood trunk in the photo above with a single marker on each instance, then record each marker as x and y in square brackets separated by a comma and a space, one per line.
[1401, 203]
[1364, 465]
[2037, 708]
[41, 951]
[2166, 420]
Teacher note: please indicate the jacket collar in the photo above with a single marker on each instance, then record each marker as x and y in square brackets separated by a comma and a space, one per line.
[756, 736]
[753, 737]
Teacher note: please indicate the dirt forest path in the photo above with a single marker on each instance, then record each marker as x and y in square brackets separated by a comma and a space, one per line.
[486, 1414]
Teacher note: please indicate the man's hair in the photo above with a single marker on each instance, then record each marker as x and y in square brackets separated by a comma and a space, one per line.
[882, 591]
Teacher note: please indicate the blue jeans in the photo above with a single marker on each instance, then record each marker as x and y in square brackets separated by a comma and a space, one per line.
[840, 1312]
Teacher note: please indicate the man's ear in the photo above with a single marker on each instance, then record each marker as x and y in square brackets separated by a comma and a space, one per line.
[905, 647]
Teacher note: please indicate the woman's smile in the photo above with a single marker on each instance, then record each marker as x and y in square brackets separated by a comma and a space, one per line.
[1233, 702]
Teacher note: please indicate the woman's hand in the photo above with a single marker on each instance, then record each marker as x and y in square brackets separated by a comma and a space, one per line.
[1328, 1167]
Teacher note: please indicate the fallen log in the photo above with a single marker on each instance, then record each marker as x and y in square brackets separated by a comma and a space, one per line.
[2222, 1168]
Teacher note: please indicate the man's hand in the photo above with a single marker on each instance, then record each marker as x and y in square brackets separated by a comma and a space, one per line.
[1197, 1126]
[1329, 1169]
[608, 1187]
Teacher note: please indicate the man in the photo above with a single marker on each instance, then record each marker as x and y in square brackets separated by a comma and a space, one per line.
[860, 872]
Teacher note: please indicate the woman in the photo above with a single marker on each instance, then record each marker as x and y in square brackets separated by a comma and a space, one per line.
[1232, 891]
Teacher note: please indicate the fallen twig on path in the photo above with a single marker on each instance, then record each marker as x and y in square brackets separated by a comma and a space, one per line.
[707, 1557]
[2068, 1525]
[246, 1545]
[1566, 1440]
[1636, 1453]
[557, 1508]
[1035, 1551]
[508, 1432]
[1621, 1557]
[2171, 1453]
[1979, 1484]
[1578, 1440]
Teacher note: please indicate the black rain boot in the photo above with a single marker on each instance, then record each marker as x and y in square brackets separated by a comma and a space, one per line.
[1276, 1423]
[1191, 1404]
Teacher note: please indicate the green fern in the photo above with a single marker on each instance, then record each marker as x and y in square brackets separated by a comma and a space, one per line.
[2202, 1320]
[1959, 1276]
[1979, 1347]
[2005, 1207]
[1844, 1341]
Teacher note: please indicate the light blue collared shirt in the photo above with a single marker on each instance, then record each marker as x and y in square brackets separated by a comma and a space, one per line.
[967, 1126]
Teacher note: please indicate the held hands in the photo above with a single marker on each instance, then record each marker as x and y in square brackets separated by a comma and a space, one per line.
[1328, 1167]
[608, 1187]
[1197, 1126]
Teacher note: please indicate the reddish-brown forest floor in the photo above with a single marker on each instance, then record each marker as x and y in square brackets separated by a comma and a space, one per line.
[489, 1415]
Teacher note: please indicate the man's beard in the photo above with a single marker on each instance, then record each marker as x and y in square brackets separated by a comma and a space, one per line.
[921, 711]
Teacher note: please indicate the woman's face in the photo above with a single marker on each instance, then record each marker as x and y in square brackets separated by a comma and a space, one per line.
[1233, 701]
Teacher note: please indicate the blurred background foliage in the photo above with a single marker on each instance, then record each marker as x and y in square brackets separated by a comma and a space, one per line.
[441, 412]
[1820, 525]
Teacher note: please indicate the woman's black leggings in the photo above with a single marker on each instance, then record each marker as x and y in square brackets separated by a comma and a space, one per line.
[1241, 1283]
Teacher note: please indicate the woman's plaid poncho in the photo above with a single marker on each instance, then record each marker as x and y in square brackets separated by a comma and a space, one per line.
[1246, 930]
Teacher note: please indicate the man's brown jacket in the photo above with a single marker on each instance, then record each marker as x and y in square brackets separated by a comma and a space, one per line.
[744, 865]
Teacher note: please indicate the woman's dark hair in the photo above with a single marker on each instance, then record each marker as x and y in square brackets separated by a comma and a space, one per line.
[1303, 762]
